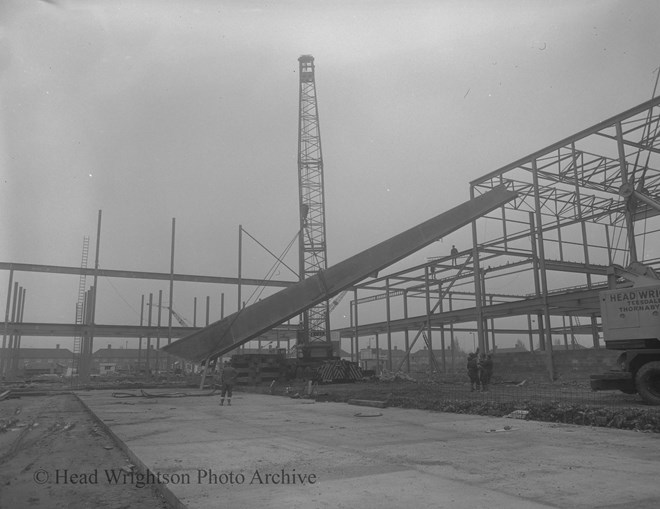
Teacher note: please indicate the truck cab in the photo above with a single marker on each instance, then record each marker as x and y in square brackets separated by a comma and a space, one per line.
[631, 323]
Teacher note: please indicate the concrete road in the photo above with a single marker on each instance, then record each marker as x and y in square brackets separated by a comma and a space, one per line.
[274, 452]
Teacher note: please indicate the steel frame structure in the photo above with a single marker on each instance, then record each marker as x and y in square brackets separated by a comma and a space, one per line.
[312, 241]
[85, 327]
[535, 268]
[584, 204]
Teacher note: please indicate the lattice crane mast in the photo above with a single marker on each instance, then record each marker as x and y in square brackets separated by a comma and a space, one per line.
[315, 327]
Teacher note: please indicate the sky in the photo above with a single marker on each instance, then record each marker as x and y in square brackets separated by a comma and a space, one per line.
[154, 110]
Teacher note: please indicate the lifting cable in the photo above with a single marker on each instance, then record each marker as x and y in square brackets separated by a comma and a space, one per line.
[238, 313]
[271, 271]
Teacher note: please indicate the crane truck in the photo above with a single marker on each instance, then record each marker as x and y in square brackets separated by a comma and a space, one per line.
[630, 314]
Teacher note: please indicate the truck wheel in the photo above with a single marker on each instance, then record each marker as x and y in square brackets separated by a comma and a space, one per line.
[647, 381]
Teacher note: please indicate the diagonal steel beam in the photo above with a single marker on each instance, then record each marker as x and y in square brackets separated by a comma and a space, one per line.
[252, 321]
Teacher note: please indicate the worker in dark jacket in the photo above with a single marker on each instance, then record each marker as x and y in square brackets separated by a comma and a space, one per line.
[454, 255]
[227, 381]
[473, 370]
[485, 368]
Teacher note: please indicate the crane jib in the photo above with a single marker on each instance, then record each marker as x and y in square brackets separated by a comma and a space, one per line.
[252, 321]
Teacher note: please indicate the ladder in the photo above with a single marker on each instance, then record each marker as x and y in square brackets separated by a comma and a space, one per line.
[80, 306]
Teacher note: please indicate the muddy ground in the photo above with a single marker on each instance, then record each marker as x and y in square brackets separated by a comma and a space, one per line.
[566, 402]
[44, 438]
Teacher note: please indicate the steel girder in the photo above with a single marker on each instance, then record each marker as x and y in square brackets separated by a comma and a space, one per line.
[252, 321]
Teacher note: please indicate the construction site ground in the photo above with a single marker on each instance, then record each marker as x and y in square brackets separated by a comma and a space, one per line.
[176, 447]
[41, 435]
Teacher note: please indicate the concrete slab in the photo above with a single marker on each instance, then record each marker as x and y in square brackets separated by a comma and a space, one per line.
[269, 451]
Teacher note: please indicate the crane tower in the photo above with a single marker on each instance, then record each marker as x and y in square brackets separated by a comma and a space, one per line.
[312, 244]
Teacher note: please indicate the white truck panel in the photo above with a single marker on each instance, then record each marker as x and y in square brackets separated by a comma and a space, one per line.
[631, 313]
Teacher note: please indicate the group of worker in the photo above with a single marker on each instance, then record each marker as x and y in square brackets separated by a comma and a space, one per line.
[480, 370]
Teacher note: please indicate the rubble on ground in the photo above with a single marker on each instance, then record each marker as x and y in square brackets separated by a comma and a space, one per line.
[532, 400]
[395, 376]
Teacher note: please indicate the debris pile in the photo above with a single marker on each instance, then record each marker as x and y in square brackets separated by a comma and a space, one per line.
[7, 424]
[569, 402]
[395, 376]
[638, 419]
[518, 414]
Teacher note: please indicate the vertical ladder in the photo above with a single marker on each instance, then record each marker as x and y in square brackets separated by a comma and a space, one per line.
[80, 305]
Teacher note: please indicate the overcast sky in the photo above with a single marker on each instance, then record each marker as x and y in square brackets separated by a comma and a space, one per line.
[153, 110]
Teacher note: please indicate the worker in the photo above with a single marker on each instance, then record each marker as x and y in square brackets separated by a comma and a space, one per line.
[227, 380]
[485, 369]
[472, 370]
[454, 254]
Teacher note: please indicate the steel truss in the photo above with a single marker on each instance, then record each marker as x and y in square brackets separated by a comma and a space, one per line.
[584, 203]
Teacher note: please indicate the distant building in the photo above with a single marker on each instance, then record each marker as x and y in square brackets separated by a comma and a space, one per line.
[378, 358]
[516, 349]
[344, 355]
[42, 361]
[59, 361]
[420, 360]
[126, 360]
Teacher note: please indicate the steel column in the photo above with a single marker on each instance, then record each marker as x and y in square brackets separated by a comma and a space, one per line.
[544, 275]
[406, 334]
[427, 298]
[478, 300]
[4, 352]
[630, 203]
[388, 318]
[171, 297]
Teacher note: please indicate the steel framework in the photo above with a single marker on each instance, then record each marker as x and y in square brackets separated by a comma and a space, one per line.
[312, 241]
[534, 269]
[584, 204]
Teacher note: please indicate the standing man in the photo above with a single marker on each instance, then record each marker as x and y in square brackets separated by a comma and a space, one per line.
[473, 371]
[454, 254]
[485, 371]
[227, 380]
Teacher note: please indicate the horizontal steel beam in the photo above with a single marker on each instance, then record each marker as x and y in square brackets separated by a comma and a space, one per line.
[583, 302]
[581, 268]
[27, 329]
[133, 274]
[100, 330]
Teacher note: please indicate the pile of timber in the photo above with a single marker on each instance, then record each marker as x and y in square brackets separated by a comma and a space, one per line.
[256, 369]
[339, 371]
